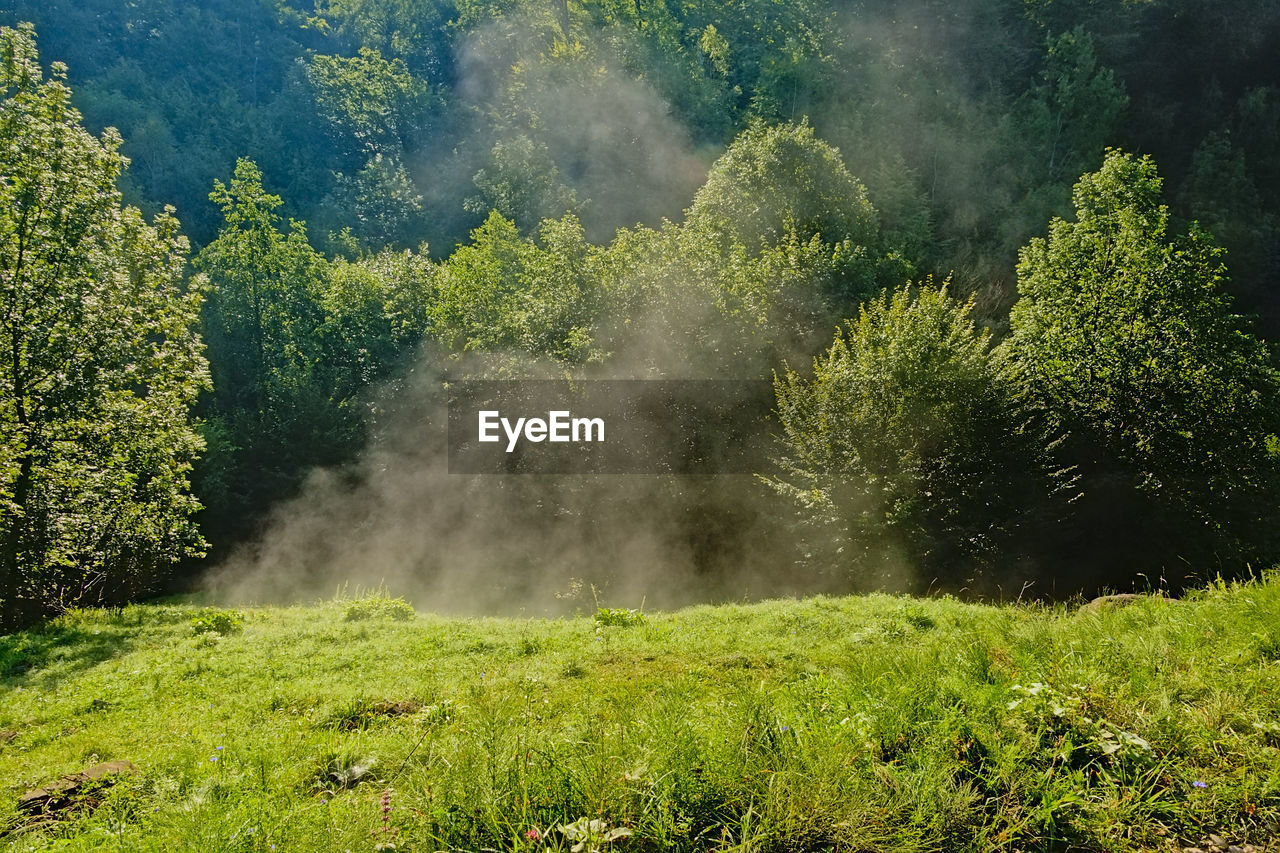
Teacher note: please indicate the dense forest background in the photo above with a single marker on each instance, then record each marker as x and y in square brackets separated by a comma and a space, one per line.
[407, 122]
[649, 186]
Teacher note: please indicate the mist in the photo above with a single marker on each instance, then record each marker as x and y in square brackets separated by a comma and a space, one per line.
[533, 544]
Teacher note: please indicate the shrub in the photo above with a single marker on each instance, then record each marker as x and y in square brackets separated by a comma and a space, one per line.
[618, 616]
[906, 446]
[378, 607]
[212, 620]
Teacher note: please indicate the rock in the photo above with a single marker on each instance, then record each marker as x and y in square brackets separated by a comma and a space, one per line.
[1119, 600]
[63, 793]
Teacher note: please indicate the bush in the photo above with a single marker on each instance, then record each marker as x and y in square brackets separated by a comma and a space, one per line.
[618, 616]
[378, 607]
[905, 448]
[212, 620]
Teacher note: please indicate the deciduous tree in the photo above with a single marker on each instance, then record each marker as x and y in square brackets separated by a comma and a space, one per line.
[99, 360]
[1127, 343]
[905, 451]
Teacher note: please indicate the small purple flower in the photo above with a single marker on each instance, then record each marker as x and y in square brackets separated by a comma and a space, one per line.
[1199, 784]
[213, 758]
[219, 747]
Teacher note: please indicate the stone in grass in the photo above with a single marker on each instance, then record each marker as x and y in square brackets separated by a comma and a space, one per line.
[1217, 844]
[66, 791]
[1123, 599]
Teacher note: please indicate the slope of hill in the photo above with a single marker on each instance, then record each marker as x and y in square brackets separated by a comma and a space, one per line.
[867, 723]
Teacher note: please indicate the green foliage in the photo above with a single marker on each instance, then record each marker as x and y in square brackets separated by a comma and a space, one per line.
[904, 451]
[1069, 723]
[381, 200]
[521, 183]
[718, 299]
[681, 299]
[377, 606]
[262, 321]
[1059, 129]
[1221, 192]
[1074, 107]
[618, 617]
[994, 105]
[416, 31]
[294, 340]
[776, 180]
[213, 620]
[385, 122]
[376, 312]
[505, 292]
[1126, 342]
[99, 360]
[372, 102]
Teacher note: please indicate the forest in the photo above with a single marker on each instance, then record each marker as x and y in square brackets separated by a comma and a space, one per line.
[1011, 266]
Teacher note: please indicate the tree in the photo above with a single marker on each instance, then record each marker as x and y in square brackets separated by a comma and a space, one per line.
[905, 451]
[374, 103]
[1073, 109]
[99, 360]
[1126, 343]
[780, 179]
[262, 320]
[504, 292]
[383, 201]
[521, 183]
[375, 315]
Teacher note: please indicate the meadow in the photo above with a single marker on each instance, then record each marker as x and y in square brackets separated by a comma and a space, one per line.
[858, 723]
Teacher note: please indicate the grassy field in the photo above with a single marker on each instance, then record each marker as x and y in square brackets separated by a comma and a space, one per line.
[864, 723]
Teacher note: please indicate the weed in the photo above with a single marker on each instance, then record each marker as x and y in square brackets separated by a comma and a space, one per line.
[358, 714]
[619, 617]
[377, 606]
[212, 620]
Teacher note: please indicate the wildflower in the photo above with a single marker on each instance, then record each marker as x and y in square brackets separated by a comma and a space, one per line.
[213, 758]
[219, 747]
[1199, 784]
[532, 834]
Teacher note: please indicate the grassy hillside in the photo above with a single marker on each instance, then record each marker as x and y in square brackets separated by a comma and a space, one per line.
[869, 723]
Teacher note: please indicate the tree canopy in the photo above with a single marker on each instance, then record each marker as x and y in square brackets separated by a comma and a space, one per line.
[100, 361]
[1127, 343]
[905, 450]
[403, 190]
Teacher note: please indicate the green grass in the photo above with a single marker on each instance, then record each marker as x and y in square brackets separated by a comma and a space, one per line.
[867, 723]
